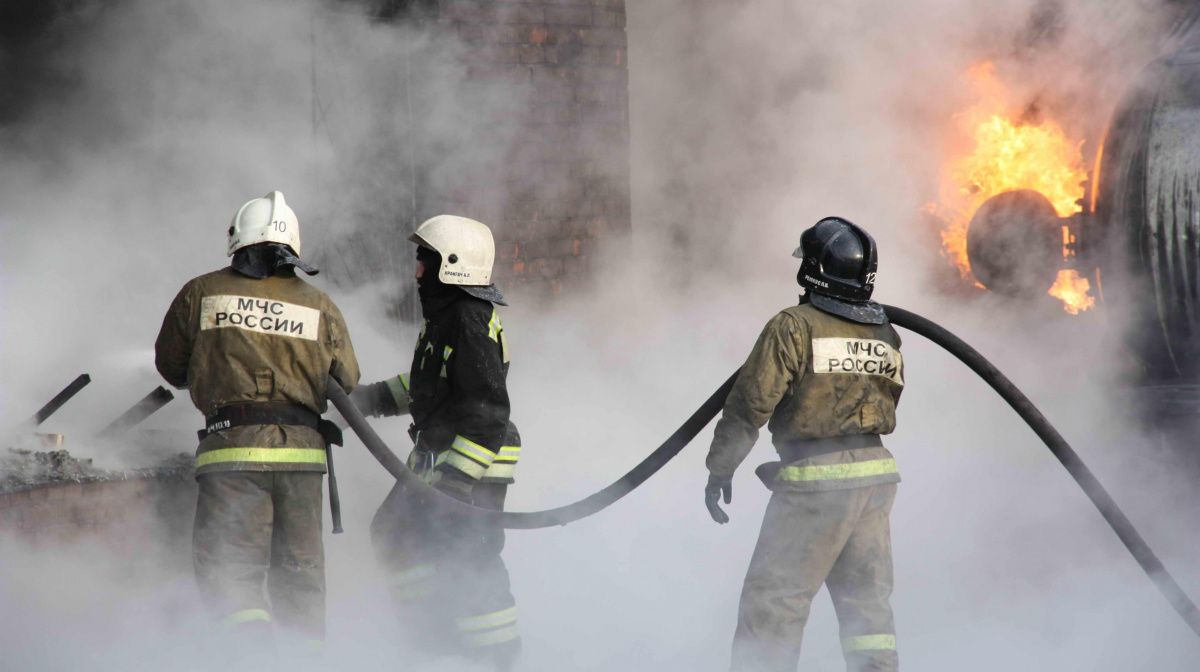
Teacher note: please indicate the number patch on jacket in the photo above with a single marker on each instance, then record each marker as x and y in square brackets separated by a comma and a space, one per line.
[863, 356]
[264, 316]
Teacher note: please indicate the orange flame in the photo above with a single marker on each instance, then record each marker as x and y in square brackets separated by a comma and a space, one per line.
[1072, 289]
[1005, 154]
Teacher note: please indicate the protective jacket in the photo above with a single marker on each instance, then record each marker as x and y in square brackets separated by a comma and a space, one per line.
[235, 340]
[812, 377]
[446, 574]
[456, 392]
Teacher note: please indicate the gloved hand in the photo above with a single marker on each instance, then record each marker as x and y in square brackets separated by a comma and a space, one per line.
[718, 486]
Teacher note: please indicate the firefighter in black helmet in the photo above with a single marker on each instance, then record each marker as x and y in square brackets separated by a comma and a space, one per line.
[825, 376]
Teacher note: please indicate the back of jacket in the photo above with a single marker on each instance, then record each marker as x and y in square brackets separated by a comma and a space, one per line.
[847, 379]
[232, 339]
[813, 375]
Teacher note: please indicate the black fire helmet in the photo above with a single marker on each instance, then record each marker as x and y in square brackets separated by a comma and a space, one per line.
[838, 269]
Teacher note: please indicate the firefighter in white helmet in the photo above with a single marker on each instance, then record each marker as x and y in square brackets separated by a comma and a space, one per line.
[447, 578]
[254, 344]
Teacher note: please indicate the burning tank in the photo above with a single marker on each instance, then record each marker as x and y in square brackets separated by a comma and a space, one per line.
[1125, 233]
[1143, 234]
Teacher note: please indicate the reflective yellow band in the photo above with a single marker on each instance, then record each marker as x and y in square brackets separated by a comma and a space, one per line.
[398, 386]
[486, 621]
[869, 643]
[509, 454]
[500, 470]
[464, 464]
[411, 593]
[494, 327]
[414, 574]
[473, 450]
[493, 637]
[830, 472]
[269, 455]
[245, 616]
[446, 352]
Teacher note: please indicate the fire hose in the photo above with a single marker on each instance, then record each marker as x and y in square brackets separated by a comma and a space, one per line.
[600, 500]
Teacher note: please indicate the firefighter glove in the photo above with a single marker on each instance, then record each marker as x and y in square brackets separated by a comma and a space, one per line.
[718, 487]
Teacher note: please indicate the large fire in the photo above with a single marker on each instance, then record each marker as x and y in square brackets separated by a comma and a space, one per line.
[1006, 152]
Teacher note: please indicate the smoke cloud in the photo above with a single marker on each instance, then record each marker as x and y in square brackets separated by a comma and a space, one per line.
[749, 122]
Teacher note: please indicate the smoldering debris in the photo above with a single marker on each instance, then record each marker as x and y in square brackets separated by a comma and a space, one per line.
[23, 469]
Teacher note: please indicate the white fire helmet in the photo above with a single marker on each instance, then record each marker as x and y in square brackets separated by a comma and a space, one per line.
[466, 246]
[265, 220]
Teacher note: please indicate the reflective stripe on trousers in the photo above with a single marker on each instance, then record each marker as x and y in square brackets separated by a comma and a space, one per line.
[496, 627]
[245, 616]
[413, 583]
[869, 643]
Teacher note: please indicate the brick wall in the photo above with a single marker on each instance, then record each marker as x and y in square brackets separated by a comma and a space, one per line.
[570, 58]
[520, 119]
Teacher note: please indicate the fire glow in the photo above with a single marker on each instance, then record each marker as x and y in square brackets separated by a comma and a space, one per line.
[1006, 152]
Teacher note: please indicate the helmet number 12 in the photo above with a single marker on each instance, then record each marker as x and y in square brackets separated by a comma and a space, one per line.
[870, 278]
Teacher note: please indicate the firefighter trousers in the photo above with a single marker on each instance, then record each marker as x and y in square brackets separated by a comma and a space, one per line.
[446, 577]
[840, 538]
[258, 551]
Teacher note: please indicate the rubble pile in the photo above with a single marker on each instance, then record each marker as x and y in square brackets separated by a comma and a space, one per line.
[22, 469]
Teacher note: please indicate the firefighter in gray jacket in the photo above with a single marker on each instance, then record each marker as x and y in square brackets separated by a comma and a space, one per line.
[254, 345]
[448, 581]
[825, 376]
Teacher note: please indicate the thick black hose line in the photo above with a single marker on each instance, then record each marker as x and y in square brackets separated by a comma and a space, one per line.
[1108, 508]
[529, 520]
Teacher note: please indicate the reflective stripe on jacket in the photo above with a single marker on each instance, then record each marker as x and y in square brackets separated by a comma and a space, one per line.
[457, 393]
[813, 375]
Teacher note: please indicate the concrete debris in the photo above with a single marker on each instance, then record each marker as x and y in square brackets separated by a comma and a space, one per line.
[22, 469]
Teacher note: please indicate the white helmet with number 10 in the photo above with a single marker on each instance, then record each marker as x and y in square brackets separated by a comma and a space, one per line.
[265, 220]
[466, 247]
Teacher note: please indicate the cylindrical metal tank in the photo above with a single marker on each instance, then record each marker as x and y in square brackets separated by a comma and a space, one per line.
[1145, 233]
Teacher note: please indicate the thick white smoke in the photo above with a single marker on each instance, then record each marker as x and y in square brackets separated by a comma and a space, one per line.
[749, 121]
